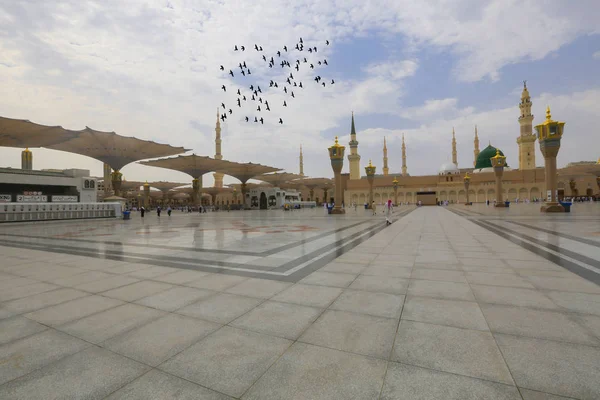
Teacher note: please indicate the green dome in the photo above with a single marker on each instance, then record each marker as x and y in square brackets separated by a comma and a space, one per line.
[483, 159]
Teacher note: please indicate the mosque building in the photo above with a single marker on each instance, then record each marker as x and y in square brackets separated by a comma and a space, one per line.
[527, 182]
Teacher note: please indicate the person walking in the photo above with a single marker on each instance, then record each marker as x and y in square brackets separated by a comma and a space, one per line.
[158, 211]
[142, 211]
[374, 208]
[388, 212]
[169, 211]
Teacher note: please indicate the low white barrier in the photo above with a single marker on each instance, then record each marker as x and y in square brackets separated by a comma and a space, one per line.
[15, 212]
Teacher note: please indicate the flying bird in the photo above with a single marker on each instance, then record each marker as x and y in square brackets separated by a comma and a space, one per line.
[315, 49]
[300, 84]
[293, 95]
[291, 76]
[230, 111]
[235, 48]
[244, 64]
[295, 84]
[297, 68]
[285, 89]
[305, 60]
[222, 68]
[249, 72]
[244, 98]
[268, 109]
[323, 84]
[261, 120]
[260, 100]
[284, 104]
[256, 47]
[280, 121]
[312, 66]
[239, 103]
[275, 84]
[255, 119]
[327, 42]
[243, 48]
[246, 119]
[223, 117]
[239, 93]
[278, 53]
[267, 103]
[319, 62]
[223, 105]
[231, 72]
[300, 40]
[288, 81]
[272, 61]
[258, 108]
[264, 57]
[251, 87]
[325, 62]
[253, 98]
[309, 50]
[285, 48]
[261, 48]
[297, 47]
[256, 92]
[243, 73]
[332, 81]
[223, 87]
[258, 88]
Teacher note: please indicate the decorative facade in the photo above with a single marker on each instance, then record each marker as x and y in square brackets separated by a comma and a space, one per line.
[353, 157]
[218, 156]
[526, 139]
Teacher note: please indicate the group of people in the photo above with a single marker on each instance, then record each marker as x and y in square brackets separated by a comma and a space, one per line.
[388, 208]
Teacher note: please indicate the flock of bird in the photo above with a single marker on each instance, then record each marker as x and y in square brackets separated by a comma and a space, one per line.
[288, 86]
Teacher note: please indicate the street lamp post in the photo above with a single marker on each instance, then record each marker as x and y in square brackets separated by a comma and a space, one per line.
[549, 134]
[498, 162]
[370, 170]
[395, 183]
[467, 180]
[336, 155]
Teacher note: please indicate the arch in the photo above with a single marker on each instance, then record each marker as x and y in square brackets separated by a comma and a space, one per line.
[490, 195]
[561, 185]
[534, 193]
[362, 198]
[385, 196]
[408, 197]
[462, 196]
[472, 196]
[523, 194]
[377, 198]
[355, 198]
[452, 196]
[443, 195]
[480, 197]
[263, 201]
[512, 193]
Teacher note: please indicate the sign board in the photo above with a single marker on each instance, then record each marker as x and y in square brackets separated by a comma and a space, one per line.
[549, 195]
[64, 199]
[31, 199]
[5, 198]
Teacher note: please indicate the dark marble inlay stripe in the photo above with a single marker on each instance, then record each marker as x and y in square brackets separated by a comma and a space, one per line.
[555, 233]
[569, 265]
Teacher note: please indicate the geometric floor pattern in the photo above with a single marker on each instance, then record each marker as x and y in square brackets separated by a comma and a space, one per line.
[446, 303]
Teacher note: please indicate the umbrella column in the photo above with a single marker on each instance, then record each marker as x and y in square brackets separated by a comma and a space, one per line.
[116, 178]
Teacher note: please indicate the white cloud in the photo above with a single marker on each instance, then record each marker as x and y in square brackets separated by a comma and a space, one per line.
[151, 70]
[596, 55]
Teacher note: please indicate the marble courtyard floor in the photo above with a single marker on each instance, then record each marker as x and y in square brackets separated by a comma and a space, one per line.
[450, 303]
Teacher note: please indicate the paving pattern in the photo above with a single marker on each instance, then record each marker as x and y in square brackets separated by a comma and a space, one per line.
[446, 303]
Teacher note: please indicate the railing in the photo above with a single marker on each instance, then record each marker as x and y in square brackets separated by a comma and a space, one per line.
[19, 212]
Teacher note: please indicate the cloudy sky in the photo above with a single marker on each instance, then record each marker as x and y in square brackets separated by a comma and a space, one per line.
[150, 69]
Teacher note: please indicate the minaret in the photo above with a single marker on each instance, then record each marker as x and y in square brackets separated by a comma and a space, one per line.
[404, 173]
[526, 139]
[475, 147]
[301, 162]
[218, 156]
[353, 157]
[27, 160]
[386, 170]
[454, 161]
